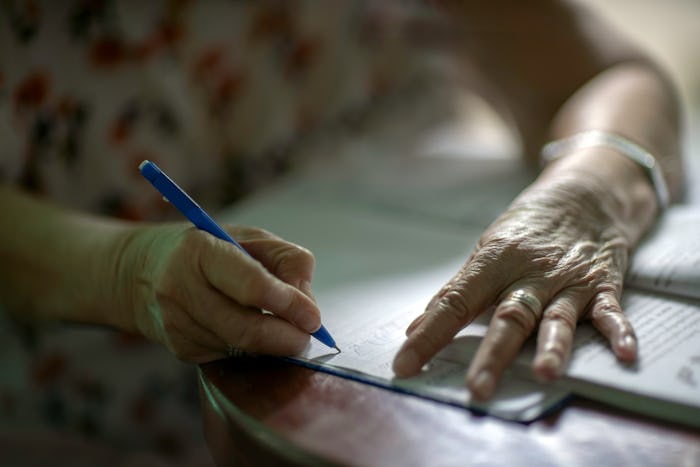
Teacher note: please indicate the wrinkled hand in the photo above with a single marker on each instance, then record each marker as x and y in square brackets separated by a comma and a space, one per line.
[199, 295]
[552, 259]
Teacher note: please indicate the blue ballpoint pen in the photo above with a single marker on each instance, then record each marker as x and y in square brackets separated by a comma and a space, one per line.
[192, 211]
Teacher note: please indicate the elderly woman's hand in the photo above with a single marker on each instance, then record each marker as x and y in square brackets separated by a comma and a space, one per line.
[201, 296]
[556, 256]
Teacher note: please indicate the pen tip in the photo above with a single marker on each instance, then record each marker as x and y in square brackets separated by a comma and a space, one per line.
[337, 348]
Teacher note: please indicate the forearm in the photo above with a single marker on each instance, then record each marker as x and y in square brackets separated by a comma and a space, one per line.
[58, 264]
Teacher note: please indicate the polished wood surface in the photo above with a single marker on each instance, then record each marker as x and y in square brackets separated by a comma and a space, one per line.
[268, 412]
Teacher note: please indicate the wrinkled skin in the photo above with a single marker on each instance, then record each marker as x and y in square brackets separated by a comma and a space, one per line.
[560, 245]
[198, 295]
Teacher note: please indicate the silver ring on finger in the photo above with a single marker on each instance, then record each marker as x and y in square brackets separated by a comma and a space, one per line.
[523, 297]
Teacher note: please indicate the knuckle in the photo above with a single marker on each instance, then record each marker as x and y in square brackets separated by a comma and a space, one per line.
[600, 272]
[247, 233]
[561, 315]
[520, 320]
[617, 243]
[293, 257]
[607, 291]
[426, 344]
[604, 307]
[454, 304]
[258, 232]
[546, 260]
[495, 248]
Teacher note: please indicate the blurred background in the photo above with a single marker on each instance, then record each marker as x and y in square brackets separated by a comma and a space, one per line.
[670, 30]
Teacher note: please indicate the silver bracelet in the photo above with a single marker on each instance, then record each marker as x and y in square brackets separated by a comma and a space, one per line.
[586, 139]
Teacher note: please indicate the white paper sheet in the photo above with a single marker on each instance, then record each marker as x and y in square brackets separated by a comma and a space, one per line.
[668, 259]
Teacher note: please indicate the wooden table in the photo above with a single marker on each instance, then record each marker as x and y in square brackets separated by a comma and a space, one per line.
[268, 412]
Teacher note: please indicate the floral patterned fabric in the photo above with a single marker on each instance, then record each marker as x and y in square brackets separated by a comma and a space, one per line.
[216, 92]
[213, 91]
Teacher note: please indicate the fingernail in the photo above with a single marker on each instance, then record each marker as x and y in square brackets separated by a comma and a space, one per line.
[548, 366]
[629, 342]
[483, 385]
[306, 315]
[406, 363]
[627, 347]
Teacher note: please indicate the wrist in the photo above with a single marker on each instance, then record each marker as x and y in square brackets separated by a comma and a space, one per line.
[622, 146]
[100, 275]
[600, 180]
[123, 289]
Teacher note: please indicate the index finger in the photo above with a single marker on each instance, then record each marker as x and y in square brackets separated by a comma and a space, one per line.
[285, 260]
[245, 280]
[467, 295]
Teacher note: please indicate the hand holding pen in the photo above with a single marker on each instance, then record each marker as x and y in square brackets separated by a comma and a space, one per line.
[208, 289]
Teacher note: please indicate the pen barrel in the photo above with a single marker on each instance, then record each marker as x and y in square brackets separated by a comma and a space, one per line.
[203, 221]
